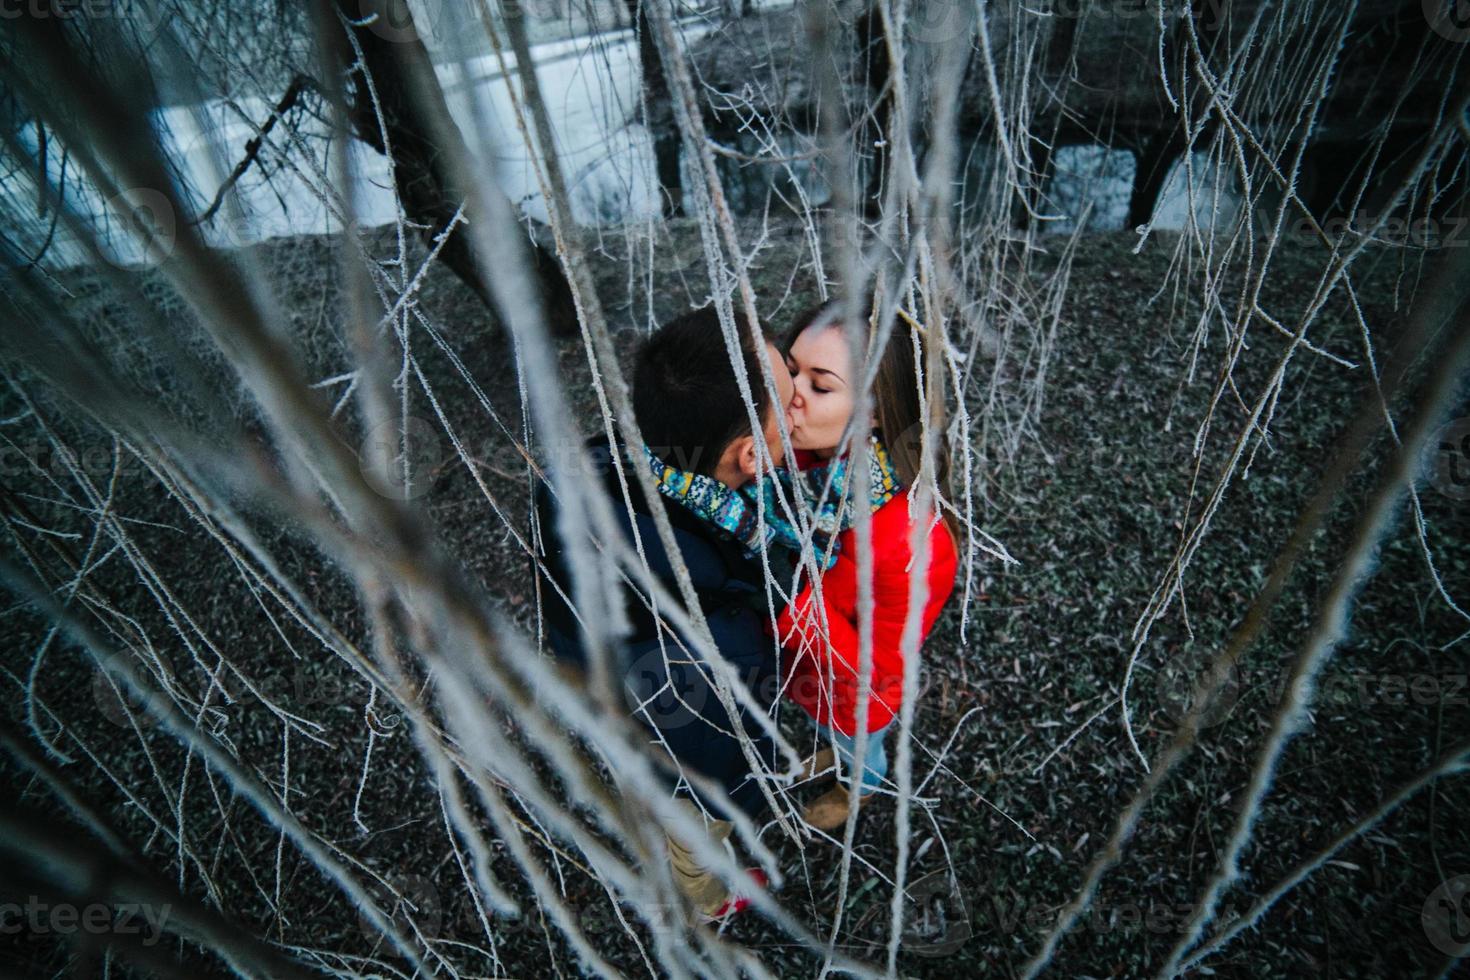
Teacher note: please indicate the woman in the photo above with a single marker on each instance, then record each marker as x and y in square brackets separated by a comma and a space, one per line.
[821, 637]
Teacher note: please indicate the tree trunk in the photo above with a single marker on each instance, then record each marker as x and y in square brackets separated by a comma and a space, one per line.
[658, 114]
[873, 133]
[421, 165]
[1154, 159]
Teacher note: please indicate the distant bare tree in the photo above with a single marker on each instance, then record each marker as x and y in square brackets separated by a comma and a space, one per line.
[215, 467]
[658, 112]
[429, 195]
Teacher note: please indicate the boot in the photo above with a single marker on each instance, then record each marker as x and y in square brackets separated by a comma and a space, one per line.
[736, 904]
[705, 891]
[822, 766]
[829, 811]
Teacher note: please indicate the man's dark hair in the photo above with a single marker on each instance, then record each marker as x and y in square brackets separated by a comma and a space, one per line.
[685, 395]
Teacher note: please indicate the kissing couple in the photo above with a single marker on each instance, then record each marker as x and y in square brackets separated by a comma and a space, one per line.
[732, 512]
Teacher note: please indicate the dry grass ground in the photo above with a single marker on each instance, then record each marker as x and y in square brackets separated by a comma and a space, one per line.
[1092, 508]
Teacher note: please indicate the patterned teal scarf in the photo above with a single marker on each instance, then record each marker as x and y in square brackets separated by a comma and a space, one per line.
[736, 511]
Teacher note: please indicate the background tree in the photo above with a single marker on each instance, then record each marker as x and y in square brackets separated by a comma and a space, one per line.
[274, 609]
[386, 115]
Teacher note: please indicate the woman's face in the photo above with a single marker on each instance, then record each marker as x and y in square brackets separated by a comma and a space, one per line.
[821, 405]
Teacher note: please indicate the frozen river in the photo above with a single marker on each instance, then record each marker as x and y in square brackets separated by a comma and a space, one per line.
[591, 85]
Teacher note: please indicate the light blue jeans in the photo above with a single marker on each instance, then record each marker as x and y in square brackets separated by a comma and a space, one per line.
[875, 763]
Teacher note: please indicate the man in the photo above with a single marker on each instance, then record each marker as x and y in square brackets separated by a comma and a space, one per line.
[698, 434]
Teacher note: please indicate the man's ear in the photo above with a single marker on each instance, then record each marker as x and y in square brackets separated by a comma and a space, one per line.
[738, 460]
[747, 459]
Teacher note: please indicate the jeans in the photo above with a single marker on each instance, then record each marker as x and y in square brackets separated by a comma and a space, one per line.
[875, 764]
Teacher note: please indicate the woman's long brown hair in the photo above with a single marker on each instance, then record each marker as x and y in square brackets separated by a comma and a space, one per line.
[899, 407]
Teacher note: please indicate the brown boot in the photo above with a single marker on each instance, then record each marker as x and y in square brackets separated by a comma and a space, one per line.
[829, 811]
[704, 889]
[822, 766]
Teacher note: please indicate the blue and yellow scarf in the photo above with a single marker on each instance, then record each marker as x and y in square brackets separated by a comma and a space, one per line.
[735, 511]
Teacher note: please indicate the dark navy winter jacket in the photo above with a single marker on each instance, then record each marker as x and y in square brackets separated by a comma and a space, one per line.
[679, 702]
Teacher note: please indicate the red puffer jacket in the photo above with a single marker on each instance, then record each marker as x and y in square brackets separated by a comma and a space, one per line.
[823, 677]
